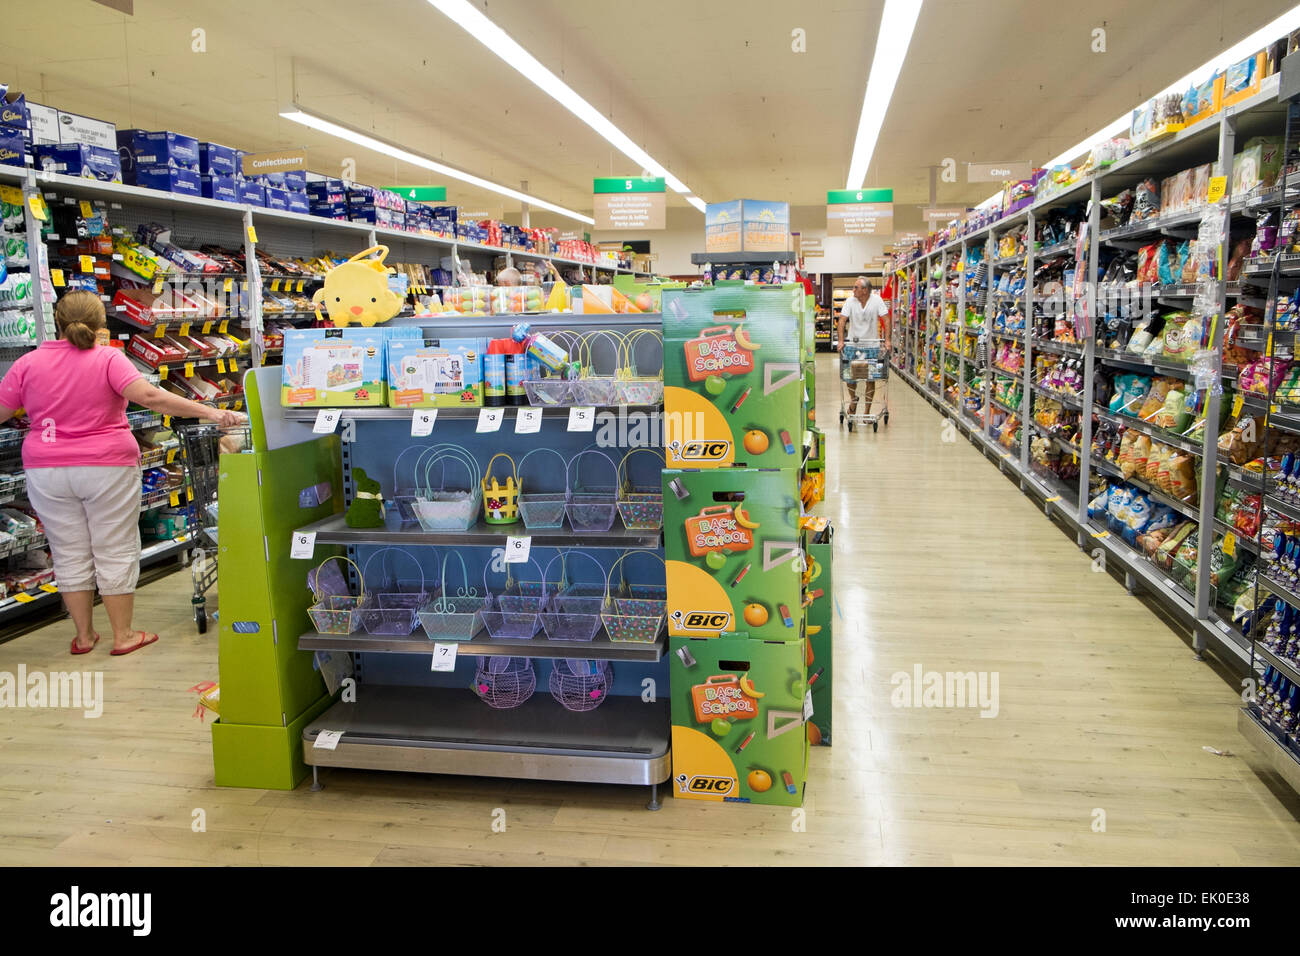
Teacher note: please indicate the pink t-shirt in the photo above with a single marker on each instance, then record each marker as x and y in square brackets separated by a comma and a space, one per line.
[74, 400]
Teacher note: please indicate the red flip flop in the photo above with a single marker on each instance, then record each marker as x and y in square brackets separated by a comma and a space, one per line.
[84, 650]
[145, 641]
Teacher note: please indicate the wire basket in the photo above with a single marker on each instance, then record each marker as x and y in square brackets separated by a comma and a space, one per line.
[514, 615]
[504, 682]
[632, 387]
[632, 618]
[592, 387]
[573, 612]
[394, 611]
[580, 686]
[640, 505]
[449, 509]
[592, 505]
[405, 496]
[336, 612]
[455, 616]
[551, 390]
[542, 510]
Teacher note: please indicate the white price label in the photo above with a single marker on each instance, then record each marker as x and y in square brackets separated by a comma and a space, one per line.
[582, 418]
[327, 419]
[304, 544]
[444, 657]
[489, 419]
[328, 740]
[518, 549]
[1224, 628]
[422, 420]
[528, 421]
[807, 705]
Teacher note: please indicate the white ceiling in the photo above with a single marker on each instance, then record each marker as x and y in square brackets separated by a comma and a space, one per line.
[711, 90]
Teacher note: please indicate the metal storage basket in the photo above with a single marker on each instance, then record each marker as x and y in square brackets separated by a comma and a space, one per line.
[631, 619]
[581, 685]
[394, 611]
[570, 616]
[592, 504]
[641, 505]
[455, 616]
[335, 611]
[514, 616]
[449, 509]
[504, 682]
[632, 386]
[542, 510]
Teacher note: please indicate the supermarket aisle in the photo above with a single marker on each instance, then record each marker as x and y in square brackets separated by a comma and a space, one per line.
[941, 564]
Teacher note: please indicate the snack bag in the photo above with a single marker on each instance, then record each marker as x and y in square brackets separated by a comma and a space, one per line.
[1149, 467]
[1176, 346]
[1127, 467]
[1173, 415]
[1180, 477]
[1155, 398]
[1097, 506]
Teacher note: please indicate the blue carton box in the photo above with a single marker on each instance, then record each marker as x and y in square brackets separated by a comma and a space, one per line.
[295, 179]
[331, 190]
[184, 182]
[225, 188]
[215, 160]
[298, 202]
[329, 210]
[13, 150]
[139, 147]
[277, 199]
[13, 108]
[254, 194]
[271, 180]
[78, 159]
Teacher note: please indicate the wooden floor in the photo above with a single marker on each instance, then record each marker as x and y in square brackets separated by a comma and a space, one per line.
[941, 562]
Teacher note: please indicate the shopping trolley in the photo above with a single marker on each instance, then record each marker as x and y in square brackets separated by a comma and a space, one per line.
[201, 448]
[864, 365]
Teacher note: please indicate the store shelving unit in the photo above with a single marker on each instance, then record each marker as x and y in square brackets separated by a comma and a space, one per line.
[1212, 139]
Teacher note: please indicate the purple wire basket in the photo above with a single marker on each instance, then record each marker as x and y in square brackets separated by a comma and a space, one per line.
[395, 610]
[504, 682]
[542, 509]
[573, 612]
[592, 504]
[581, 685]
[514, 615]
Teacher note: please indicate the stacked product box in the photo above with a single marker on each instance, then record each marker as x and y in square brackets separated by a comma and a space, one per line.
[327, 368]
[328, 198]
[78, 159]
[378, 206]
[435, 373]
[15, 128]
[734, 542]
[160, 160]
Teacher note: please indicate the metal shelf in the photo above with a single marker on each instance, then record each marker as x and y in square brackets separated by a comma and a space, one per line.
[1281, 506]
[334, 530]
[1279, 755]
[1059, 348]
[1114, 357]
[601, 648]
[1289, 668]
[404, 414]
[1277, 590]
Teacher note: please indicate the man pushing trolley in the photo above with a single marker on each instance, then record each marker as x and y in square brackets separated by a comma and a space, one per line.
[863, 356]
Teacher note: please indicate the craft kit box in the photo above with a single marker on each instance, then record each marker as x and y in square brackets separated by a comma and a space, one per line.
[733, 376]
[733, 548]
[336, 367]
[435, 373]
[738, 720]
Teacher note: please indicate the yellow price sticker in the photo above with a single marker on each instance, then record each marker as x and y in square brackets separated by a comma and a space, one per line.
[12, 195]
[298, 288]
[167, 421]
[207, 327]
[252, 235]
[232, 366]
[1101, 534]
[221, 366]
[275, 285]
[174, 499]
[24, 598]
[189, 369]
[86, 211]
[157, 285]
[163, 372]
[171, 455]
[1053, 498]
[189, 494]
[1230, 544]
[56, 278]
[1274, 409]
[227, 285]
[1237, 401]
[185, 328]
[37, 205]
[160, 331]
[1218, 188]
[239, 403]
[50, 588]
[224, 326]
[88, 264]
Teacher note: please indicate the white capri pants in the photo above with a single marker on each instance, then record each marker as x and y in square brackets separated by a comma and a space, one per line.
[92, 521]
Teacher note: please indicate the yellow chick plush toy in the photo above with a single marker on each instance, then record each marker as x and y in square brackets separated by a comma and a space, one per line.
[357, 291]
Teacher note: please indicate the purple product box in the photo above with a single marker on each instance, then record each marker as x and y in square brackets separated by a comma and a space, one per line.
[277, 198]
[295, 179]
[184, 182]
[13, 150]
[271, 180]
[329, 210]
[77, 159]
[332, 190]
[298, 202]
[138, 147]
[13, 108]
[254, 194]
[215, 160]
[225, 188]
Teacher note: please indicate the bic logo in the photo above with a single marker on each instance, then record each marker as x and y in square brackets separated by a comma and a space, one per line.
[719, 786]
[702, 620]
[701, 450]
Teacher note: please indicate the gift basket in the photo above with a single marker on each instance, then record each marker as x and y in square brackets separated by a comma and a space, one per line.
[592, 502]
[634, 613]
[573, 612]
[447, 508]
[500, 501]
[404, 495]
[641, 501]
[581, 685]
[594, 387]
[394, 609]
[504, 682]
[632, 386]
[335, 611]
[455, 615]
[514, 614]
[542, 510]
[554, 386]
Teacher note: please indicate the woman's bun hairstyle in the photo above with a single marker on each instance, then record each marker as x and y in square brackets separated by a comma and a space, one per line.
[79, 315]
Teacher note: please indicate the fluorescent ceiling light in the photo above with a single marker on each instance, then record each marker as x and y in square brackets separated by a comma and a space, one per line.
[696, 201]
[396, 152]
[896, 26]
[503, 45]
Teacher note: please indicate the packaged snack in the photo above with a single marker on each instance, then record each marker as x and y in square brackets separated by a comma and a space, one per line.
[1140, 455]
[1181, 476]
[1146, 201]
[1155, 398]
[1148, 467]
[1129, 391]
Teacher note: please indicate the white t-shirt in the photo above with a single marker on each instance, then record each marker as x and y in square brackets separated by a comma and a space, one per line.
[864, 320]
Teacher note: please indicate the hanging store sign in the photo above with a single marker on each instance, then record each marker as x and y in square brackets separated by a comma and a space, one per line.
[859, 212]
[998, 172]
[421, 193]
[281, 161]
[629, 203]
[943, 215]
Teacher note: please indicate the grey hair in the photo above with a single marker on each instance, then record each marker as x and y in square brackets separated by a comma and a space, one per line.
[864, 280]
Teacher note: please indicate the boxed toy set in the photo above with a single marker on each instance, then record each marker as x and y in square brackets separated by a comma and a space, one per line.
[733, 376]
[732, 545]
[337, 367]
[435, 373]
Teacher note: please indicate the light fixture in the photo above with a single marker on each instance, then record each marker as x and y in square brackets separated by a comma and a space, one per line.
[696, 201]
[896, 26]
[503, 45]
[396, 152]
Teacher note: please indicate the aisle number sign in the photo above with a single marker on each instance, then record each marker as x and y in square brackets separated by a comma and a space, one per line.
[634, 202]
[860, 212]
[421, 193]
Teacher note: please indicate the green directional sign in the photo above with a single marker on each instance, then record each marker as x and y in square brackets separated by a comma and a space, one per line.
[634, 184]
[421, 193]
[837, 197]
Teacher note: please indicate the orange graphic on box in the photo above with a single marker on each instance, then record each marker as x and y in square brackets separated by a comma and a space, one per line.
[714, 529]
[717, 351]
[721, 696]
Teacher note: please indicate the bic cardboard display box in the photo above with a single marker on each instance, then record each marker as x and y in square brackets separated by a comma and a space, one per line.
[732, 546]
[738, 727]
[733, 376]
[820, 618]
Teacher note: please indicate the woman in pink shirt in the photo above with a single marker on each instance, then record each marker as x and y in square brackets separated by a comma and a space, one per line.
[83, 463]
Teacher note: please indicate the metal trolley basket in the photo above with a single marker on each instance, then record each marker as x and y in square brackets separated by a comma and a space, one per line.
[862, 364]
[200, 457]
